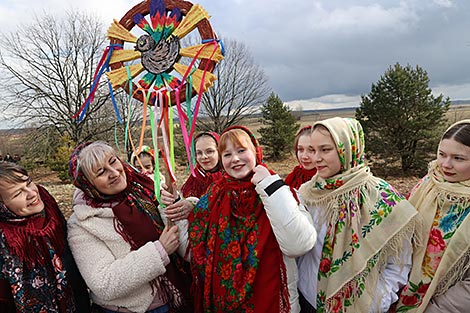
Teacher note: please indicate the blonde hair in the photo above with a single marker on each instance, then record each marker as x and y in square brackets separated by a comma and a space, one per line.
[93, 156]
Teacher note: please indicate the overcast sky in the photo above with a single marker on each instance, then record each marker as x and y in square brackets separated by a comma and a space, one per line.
[321, 52]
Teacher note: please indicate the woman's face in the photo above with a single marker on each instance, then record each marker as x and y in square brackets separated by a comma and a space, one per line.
[325, 155]
[147, 164]
[23, 198]
[453, 160]
[305, 153]
[110, 177]
[206, 153]
[238, 161]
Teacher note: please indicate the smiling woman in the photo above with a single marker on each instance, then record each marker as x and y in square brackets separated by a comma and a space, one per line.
[38, 273]
[123, 250]
[208, 170]
[253, 215]
[366, 228]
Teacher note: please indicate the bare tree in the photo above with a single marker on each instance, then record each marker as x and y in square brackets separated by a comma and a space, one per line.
[241, 87]
[47, 71]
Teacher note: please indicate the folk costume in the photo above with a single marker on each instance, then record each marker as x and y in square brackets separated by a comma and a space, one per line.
[299, 174]
[37, 270]
[196, 186]
[243, 239]
[115, 241]
[363, 252]
[440, 277]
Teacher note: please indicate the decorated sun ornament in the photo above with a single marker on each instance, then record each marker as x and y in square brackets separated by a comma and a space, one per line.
[148, 67]
[159, 50]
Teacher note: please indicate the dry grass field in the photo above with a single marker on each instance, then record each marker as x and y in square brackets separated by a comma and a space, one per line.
[63, 192]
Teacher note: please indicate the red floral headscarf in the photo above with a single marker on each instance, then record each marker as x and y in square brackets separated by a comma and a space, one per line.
[237, 262]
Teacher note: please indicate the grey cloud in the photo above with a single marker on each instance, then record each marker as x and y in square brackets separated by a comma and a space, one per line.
[314, 48]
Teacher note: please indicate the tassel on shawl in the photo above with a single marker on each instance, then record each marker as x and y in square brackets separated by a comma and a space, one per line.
[31, 250]
[456, 274]
[284, 303]
[328, 205]
[32, 244]
[412, 235]
[167, 292]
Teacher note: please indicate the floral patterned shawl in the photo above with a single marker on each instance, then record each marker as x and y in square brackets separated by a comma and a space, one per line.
[237, 262]
[446, 257]
[32, 259]
[368, 222]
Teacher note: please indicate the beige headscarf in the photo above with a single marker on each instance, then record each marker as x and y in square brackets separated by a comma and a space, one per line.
[445, 258]
[368, 222]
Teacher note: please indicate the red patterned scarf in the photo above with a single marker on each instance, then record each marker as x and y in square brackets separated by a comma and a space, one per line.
[196, 186]
[30, 238]
[298, 176]
[138, 221]
[237, 262]
[34, 246]
[231, 239]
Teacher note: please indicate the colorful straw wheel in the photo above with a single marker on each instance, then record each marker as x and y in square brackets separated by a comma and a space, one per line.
[202, 26]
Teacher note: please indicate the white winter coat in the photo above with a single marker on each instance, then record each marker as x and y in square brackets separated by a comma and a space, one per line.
[115, 275]
[292, 225]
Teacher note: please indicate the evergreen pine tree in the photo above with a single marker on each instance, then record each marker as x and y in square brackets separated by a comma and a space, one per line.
[279, 133]
[401, 118]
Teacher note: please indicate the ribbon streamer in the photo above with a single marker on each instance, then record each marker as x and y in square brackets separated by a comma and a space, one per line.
[103, 66]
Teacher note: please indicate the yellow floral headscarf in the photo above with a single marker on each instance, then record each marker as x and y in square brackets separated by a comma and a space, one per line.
[445, 257]
[368, 222]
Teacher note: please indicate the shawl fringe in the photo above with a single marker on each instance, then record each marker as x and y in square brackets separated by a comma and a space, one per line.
[167, 292]
[29, 242]
[455, 274]
[369, 275]
[284, 303]
[438, 201]
[327, 205]
[449, 196]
